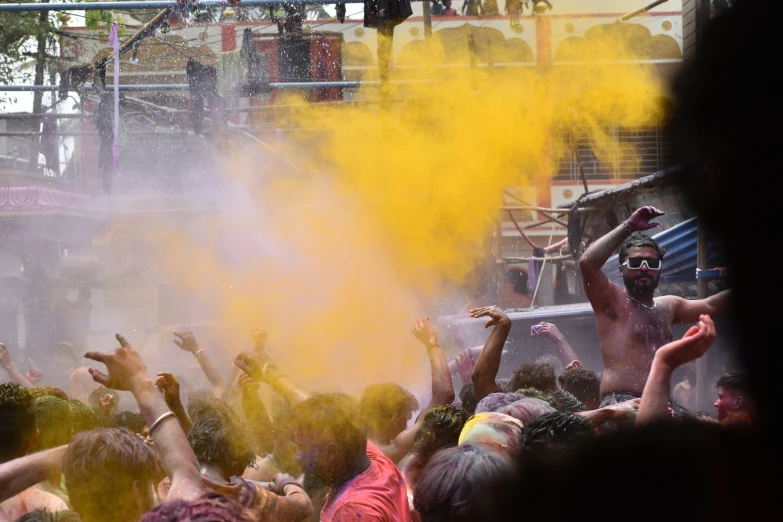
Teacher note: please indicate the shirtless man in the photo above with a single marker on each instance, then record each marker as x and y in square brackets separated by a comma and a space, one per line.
[632, 324]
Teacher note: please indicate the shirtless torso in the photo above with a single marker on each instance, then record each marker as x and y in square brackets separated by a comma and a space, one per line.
[632, 324]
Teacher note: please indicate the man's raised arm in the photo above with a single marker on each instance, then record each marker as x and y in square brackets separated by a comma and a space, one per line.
[600, 291]
[488, 363]
[442, 388]
[128, 372]
[687, 311]
[262, 368]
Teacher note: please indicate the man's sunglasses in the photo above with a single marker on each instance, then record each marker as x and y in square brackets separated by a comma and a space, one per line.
[635, 263]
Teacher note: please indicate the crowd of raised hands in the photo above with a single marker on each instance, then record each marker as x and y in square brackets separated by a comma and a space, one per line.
[259, 446]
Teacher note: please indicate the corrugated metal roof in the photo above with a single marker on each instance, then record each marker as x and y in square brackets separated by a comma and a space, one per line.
[679, 262]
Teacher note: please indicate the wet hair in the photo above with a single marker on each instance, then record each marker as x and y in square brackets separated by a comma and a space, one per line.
[17, 421]
[54, 422]
[381, 402]
[211, 507]
[43, 391]
[467, 396]
[212, 406]
[337, 416]
[735, 381]
[639, 239]
[440, 428]
[100, 467]
[199, 394]
[527, 409]
[556, 431]
[566, 402]
[532, 375]
[83, 417]
[535, 393]
[495, 401]
[583, 383]
[44, 515]
[127, 419]
[223, 442]
[552, 361]
[460, 485]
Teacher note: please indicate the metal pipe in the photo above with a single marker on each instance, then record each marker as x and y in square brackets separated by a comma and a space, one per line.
[184, 86]
[153, 4]
[641, 10]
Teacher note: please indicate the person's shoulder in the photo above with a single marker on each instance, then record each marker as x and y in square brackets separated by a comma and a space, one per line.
[352, 511]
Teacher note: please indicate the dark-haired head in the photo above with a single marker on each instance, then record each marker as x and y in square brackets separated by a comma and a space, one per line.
[211, 507]
[386, 409]
[440, 428]
[18, 434]
[108, 473]
[495, 401]
[54, 422]
[734, 395]
[565, 402]
[330, 435]
[212, 407]
[127, 419]
[222, 442]
[467, 397]
[42, 391]
[534, 375]
[642, 280]
[44, 515]
[583, 384]
[83, 417]
[556, 431]
[459, 485]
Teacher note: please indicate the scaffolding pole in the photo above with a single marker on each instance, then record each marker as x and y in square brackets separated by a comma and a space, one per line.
[184, 86]
[154, 4]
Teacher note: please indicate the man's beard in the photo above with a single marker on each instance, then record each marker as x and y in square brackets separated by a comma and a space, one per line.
[634, 286]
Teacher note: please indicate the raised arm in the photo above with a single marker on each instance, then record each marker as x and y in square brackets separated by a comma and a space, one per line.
[187, 341]
[694, 344]
[488, 364]
[19, 474]
[15, 375]
[168, 385]
[686, 311]
[255, 411]
[600, 291]
[442, 389]
[262, 368]
[128, 372]
[550, 331]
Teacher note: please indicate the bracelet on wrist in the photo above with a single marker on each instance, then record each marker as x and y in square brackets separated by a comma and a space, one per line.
[627, 227]
[200, 350]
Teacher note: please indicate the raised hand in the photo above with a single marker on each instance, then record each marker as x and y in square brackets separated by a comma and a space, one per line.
[465, 363]
[576, 363]
[640, 219]
[693, 344]
[248, 384]
[168, 385]
[106, 402]
[5, 357]
[34, 374]
[186, 341]
[424, 332]
[550, 331]
[256, 365]
[125, 366]
[495, 314]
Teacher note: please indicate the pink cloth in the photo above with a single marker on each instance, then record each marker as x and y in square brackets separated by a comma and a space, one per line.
[378, 494]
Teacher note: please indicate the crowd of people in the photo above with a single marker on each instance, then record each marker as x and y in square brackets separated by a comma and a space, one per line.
[614, 444]
[220, 455]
